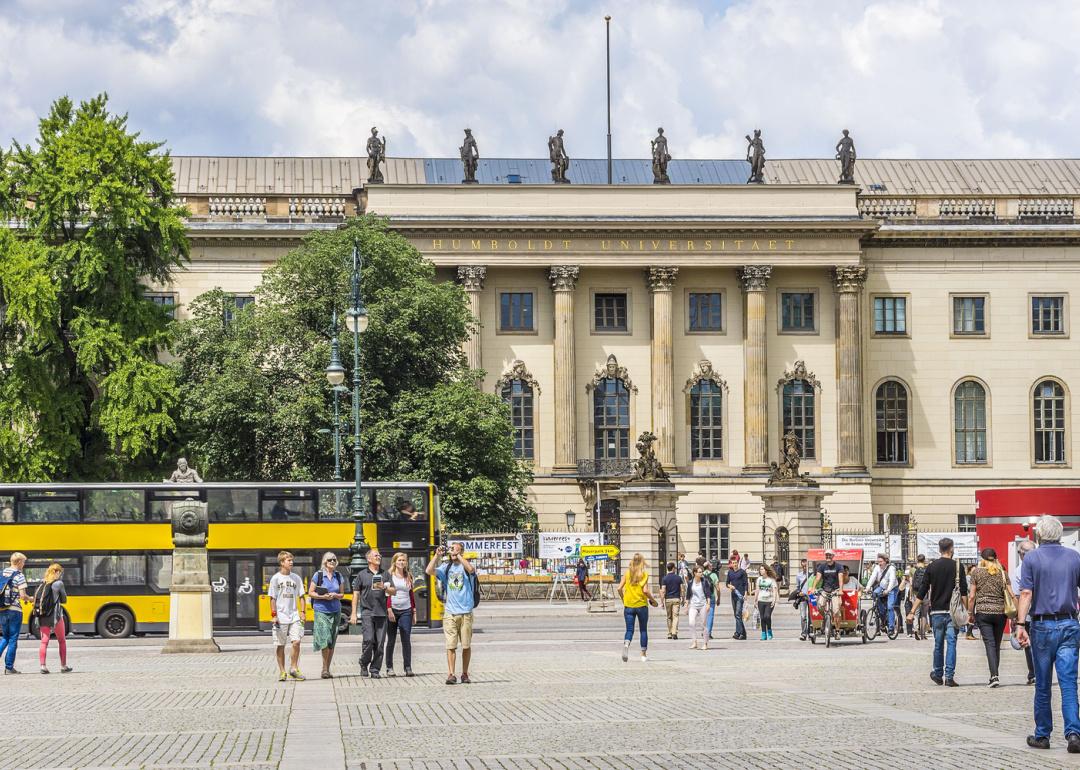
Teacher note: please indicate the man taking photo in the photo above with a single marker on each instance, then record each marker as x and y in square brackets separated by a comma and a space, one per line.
[456, 579]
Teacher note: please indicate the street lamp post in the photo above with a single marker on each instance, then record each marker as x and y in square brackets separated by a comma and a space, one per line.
[335, 373]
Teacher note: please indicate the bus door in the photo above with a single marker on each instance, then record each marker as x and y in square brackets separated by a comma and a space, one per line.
[235, 585]
[404, 524]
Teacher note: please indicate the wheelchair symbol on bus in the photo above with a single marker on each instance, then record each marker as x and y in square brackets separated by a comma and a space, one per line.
[220, 585]
[246, 587]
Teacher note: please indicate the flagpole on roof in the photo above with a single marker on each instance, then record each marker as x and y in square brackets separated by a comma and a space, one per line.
[607, 33]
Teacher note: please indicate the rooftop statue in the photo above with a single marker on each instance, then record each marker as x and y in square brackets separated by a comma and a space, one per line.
[560, 161]
[184, 474]
[647, 467]
[845, 153]
[786, 473]
[470, 157]
[755, 156]
[376, 154]
[660, 158]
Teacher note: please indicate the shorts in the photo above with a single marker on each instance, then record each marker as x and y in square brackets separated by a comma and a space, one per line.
[458, 628]
[285, 633]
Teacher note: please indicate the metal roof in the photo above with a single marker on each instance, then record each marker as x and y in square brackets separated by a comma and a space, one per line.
[339, 176]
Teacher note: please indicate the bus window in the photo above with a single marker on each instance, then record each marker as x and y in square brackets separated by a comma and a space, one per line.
[302, 566]
[288, 505]
[401, 505]
[7, 509]
[335, 504]
[116, 570]
[233, 504]
[114, 505]
[47, 507]
[159, 573]
[35, 570]
[162, 500]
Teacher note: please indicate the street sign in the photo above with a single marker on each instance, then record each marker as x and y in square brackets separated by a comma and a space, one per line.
[596, 557]
[608, 551]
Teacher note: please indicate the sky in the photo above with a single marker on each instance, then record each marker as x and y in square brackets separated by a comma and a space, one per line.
[910, 79]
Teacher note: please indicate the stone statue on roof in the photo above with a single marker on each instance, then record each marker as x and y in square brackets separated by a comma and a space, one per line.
[470, 157]
[184, 474]
[755, 156]
[660, 158]
[845, 153]
[560, 161]
[376, 154]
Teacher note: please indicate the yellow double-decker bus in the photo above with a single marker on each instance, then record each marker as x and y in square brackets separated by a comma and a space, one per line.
[115, 543]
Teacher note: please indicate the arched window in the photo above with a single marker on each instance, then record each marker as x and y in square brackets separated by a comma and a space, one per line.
[611, 419]
[1049, 422]
[969, 423]
[891, 421]
[706, 421]
[798, 409]
[519, 395]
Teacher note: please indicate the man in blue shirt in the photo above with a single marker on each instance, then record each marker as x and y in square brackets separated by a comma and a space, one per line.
[1046, 620]
[738, 583]
[458, 602]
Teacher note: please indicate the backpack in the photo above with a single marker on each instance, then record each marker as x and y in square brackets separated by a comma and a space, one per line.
[8, 593]
[44, 602]
[337, 576]
[474, 579]
[918, 580]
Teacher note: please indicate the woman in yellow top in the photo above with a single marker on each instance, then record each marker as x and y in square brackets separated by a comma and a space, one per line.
[636, 597]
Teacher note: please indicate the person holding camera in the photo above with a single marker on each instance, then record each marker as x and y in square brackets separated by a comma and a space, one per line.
[456, 579]
[370, 587]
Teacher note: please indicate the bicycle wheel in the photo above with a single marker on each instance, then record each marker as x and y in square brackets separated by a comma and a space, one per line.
[898, 623]
[873, 627]
[826, 627]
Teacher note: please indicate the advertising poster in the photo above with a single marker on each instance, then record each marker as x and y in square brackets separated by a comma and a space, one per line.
[566, 545]
[965, 545]
[489, 545]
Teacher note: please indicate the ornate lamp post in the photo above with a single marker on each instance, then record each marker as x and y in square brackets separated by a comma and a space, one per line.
[571, 519]
[357, 319]
[335, 374]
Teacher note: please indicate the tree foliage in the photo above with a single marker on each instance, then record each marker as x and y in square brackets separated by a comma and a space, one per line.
[255, 388]
[81, 389]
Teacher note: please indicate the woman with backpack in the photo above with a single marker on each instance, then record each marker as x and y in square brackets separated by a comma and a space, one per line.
[49, 603]
[636, 598]
[988, 587]
[326, 591]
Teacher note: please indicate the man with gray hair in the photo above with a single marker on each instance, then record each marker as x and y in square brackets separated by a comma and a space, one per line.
[1047, 608]
[1023, 548]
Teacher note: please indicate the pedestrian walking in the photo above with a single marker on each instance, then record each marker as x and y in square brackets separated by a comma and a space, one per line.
[326, 590]
[884, 586]
[674, 594]
[400, 613]
[1023, 548]
[918, 614]
[582, 576]
[683, 566]
[637, 598]
[288, 609]
[714, 578]
[1046, 620]
[798, 595]
[986, 598]
[371, 587]
[12, 596]
[49, 601]
[459, 594]
[766, 594]
[698, 595]
[738, 584]
[946, 587]
[970, 629]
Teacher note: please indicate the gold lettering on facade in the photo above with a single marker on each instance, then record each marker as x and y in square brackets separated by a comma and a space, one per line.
[613, 244]
[529, 246]
[436, 243]
[494, 244]
[547, 245]
[512, 245]
[566, 245]
[455, 245]
[475, 245]
[672, 245]
[624, 245]
[708, 245]
[605, 245]
[772, 245]
[655, 245]
[738, 245]
[790, 244]
[689, 245]
[754, 246]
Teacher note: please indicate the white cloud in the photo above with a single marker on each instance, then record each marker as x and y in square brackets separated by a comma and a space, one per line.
[924, 78]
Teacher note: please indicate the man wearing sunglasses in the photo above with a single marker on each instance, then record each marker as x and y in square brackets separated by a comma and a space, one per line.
[327, 589]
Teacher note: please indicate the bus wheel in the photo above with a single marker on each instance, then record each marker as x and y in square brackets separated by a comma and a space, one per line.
[343, 623]
[115, 623]
[34, 627]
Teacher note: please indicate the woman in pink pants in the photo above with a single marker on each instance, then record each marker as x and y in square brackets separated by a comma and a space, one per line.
[50, 600]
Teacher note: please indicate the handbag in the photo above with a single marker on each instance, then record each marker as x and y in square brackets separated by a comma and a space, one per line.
[1010, 603]
[957, 611]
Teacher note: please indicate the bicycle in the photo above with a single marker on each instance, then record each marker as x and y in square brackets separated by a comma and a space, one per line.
[877, 618]
[830, 629]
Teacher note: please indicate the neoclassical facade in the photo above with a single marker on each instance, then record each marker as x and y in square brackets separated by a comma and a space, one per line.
[913, 330]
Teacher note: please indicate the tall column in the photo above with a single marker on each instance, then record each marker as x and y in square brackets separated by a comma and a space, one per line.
[755, 280]
[563, 283]
[661, 280]
[849, 284]
[472, 279]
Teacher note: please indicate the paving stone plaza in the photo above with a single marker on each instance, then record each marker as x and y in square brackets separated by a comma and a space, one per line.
[549, 691]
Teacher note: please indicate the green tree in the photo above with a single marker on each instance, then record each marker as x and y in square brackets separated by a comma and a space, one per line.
[255, 389]
[82, 393]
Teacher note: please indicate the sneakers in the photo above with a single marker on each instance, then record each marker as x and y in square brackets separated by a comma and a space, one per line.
[296, 675]
[66, 669]
[1031, 680]
[764, 635]
[1040, 743]
[644, 658]
[282, 676]
[625, 651]
[365, 673]
[11, 671]
[44, 670]
[936, 679]
[465, 679]
[451, 679]
[375, 675]
[970, 637]
[408, 672]
[770, 634]
[1074, 743]
[390, 672]
[951, 683]
[994, 682]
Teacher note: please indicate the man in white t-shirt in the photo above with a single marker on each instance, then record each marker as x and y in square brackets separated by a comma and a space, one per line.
[288, 608]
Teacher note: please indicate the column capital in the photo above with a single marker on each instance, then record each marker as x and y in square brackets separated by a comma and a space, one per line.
[661, 278]
[563, 277]
[755, 277]
[849, 278]
[472, 277]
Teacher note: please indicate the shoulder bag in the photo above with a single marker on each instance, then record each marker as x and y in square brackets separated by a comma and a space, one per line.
[957, 611]
[1010, 603]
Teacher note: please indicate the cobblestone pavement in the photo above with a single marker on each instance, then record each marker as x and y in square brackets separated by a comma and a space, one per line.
[549, 691]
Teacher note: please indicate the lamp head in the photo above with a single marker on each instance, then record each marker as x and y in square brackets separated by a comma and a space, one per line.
[571, 518]
[335, 373]
[358, 319]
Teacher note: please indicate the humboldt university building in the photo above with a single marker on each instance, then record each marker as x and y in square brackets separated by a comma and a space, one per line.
[913, 330]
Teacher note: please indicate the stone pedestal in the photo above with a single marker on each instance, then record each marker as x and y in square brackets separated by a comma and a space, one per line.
[798, 509]
[645, 509]
[191, 623]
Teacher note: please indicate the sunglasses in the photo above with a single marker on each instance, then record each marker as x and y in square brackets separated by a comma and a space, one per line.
[331, 561]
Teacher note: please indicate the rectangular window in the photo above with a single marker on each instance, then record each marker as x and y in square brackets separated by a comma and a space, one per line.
[232, 504]
[797, 312]
[969, 315]
[518, 394]
[1048, 315]
[165, 301]
[610, 312]
[713, 536]
[234, 303]
[115, 505]
[401, 505]
[516, 311]
[705, 312]
[288, 505]
[114, 570]
[47, 506]
[965, 522]
[890, 315]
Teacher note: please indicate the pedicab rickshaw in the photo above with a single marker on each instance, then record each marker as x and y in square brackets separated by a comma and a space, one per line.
[821, 624]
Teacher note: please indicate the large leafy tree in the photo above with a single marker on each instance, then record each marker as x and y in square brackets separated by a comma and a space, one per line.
[255, 388]
[82, 393]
